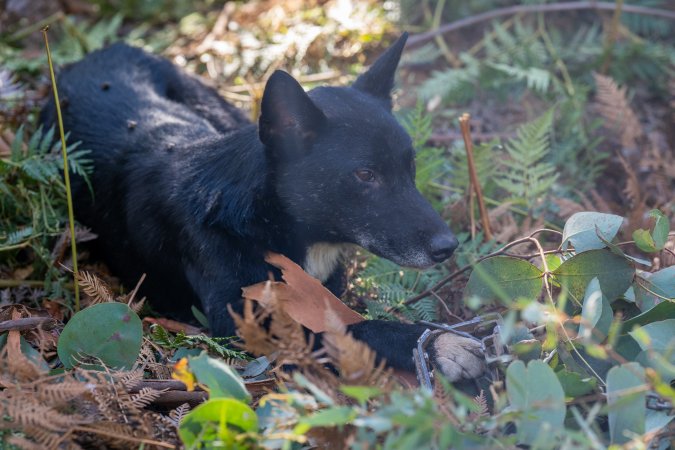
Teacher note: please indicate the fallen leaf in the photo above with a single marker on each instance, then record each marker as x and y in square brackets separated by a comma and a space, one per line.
[302, 297]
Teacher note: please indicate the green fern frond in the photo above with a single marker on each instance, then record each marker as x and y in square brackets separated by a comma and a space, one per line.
[454, 84]
[536, 79]
[394, 284]
[528, 177]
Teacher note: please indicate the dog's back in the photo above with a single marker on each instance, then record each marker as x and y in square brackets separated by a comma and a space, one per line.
[136, 113]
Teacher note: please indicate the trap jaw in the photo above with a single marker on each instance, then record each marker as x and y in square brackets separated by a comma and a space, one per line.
[494, 351]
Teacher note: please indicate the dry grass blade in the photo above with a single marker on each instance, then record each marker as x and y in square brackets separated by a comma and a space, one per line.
[612, 104]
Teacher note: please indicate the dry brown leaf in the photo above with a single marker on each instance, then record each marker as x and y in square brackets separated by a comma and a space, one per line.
[302, 297]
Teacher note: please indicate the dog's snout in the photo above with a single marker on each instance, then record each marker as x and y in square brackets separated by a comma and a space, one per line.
[442, 246]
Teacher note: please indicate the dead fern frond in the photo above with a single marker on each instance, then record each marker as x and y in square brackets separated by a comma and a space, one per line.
[251, 330]
[632, 190]
[129, 379]
[612, 104]
[176, 415]
[145, 396]
[57, 394]
[24, 412]
[46, 438]
[94, 287]
[24, 443]
[481, 401]
[353, 358]
[137, 306]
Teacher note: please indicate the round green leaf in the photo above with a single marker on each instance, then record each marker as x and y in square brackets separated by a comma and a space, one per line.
[111, 332]
[662, 311]
[574, 384]
[613, 272]
[661, 336]
[582, 230]
[221, 420]
[536, 392]
[220, 378]
[627, 411]
[505, 278]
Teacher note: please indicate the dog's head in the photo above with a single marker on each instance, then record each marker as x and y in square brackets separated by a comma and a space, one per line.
[344, 169]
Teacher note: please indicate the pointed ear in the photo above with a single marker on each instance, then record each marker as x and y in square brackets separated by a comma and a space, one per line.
[289, 120]
[378, 81]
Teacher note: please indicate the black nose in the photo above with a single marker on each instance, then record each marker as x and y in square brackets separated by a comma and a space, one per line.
[442, 246]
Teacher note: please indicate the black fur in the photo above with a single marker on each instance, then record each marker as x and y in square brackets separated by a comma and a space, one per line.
[191, 193]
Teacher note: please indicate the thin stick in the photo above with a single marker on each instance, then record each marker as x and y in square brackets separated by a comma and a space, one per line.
[420, 39]
[66, 174]
[466, 134]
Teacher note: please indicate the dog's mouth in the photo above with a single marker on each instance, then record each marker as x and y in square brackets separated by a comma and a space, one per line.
[439, 249]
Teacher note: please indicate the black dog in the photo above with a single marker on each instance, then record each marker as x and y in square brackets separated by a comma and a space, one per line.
[191, 193]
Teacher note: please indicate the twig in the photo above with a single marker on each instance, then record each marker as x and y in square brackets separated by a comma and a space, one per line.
[458, 272]
[420, 39]
[27, 323]
[466, 134]
[66, 172]
[112, 434]
[29, 283]
[436, 22]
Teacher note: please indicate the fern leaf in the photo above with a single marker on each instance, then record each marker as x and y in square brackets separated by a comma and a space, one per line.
[613, 105]
[529, 177]
[94, 287]
[144, 397]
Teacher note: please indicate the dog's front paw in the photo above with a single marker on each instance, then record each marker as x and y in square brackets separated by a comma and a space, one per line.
[457, 357]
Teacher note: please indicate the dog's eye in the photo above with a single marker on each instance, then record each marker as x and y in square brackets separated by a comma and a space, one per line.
[365, 175]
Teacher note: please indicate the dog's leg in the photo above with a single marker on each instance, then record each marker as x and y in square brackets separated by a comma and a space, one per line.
[456, 357]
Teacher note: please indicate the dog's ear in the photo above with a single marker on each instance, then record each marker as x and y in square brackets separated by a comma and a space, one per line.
[289, 120]
[378, 81]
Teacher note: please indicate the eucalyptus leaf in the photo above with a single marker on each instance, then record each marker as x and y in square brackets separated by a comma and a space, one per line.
[536, 392]
[662, 311]
[574, 384]
[596, 313]
[221, 421]
[652, 288]
[504, 278]
[613, 272]
[626, 401]
[219, 378]
[580, 230]
[110, 332]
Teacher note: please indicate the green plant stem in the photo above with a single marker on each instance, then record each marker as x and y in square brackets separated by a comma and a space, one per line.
[567, 80]
[611, 37]
[66, 173]
[440, 41]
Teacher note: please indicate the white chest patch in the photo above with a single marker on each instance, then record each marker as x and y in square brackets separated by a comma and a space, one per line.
[322, 259]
